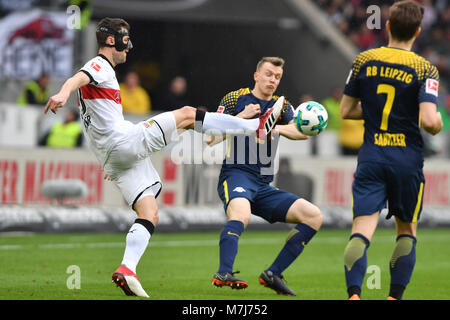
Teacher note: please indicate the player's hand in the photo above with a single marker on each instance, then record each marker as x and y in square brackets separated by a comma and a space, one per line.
[441, 122]
[55, 102]
[250, 111]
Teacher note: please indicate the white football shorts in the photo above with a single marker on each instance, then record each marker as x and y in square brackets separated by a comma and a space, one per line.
[129, 164]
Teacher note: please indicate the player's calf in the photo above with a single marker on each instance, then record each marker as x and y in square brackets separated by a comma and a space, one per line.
[296, 241]
[402, 264]
[212, 122]
[229, 242]
[146, 208]
[355, 263]
[309, 219]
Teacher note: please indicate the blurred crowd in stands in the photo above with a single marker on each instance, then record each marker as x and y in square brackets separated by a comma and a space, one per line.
[351, 18]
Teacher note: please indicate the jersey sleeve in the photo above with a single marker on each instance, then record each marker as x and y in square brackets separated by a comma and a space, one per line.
[429, 89]
[96, 71]
[228, 103]
[287, 114]
[352, 84]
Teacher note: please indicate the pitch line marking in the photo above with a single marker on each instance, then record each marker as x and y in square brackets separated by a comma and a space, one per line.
[194, 243]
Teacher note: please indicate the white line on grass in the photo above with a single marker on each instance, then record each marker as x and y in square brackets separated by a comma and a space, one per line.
[202, 243]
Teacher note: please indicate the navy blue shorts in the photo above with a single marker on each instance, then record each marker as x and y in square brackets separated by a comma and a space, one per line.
[266, 201]
[377, 186]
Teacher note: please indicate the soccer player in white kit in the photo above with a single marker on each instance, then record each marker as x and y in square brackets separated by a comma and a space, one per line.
[123, 148]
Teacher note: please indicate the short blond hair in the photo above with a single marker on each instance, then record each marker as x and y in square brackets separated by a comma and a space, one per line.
[276, 61]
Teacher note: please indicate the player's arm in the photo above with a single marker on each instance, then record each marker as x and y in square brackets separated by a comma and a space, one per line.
[58, 100]
[431, 120]
[289, 131]
[249, 111]
[351, 108]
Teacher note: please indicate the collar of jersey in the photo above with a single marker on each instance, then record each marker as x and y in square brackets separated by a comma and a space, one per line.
[102, 56]
[261, 100]
[404, 50]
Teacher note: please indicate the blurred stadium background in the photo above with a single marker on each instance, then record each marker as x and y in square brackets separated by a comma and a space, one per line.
[214, 46]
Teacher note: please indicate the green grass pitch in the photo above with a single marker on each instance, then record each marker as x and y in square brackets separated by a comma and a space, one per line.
[179, 266]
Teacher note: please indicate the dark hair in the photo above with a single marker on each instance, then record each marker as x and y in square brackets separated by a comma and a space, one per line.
[405, 18]
[115, 24]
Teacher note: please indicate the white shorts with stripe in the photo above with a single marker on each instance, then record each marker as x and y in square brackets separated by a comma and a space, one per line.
[129, 164]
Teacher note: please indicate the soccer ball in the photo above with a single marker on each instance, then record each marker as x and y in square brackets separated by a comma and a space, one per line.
[310, 118]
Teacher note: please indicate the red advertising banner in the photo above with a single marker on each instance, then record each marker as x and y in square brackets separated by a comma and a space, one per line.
[23, 171]
[333, 179]
[326, 182]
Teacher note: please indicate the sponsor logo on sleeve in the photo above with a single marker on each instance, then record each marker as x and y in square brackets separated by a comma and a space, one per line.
[148, 124]
[95, 66]
[432, 87]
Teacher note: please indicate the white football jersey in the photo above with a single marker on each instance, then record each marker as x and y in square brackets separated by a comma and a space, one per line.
[101, 108]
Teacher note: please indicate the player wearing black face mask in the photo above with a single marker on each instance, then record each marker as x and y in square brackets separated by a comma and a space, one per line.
[122, 39]
[124, 149]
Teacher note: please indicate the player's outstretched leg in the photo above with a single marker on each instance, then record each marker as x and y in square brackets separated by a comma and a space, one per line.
[269, 119]
[199, 120]
[309, 219]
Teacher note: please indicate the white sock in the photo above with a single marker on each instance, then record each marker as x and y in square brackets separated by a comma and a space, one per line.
[136, 243]
[225, 123]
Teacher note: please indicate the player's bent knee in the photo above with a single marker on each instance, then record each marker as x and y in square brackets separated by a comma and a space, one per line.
[242, 217]
[155, 218]
[146, 209]
[406, 227]
[303, 211]
[239, 209]
[315, 218]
